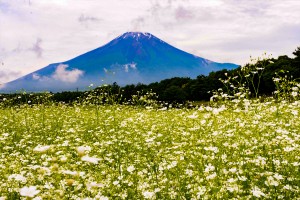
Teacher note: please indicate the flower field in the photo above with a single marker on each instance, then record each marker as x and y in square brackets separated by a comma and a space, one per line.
[242, 150]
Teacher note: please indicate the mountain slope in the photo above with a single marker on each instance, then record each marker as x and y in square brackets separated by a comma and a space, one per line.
[130, 58]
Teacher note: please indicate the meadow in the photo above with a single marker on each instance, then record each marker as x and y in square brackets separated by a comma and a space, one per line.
[241, 149]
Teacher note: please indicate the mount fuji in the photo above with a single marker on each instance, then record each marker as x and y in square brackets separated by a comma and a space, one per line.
[131, 58]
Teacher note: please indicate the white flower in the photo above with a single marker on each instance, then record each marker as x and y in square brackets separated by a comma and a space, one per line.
[294, 112]
[233, 170]
[81, 150]
[130, 169]
[201, 191]
[278, 176]
[295, 88]
[93, 160]
[63, 158]
[214, 149]
[271, 181]
[93, 185]
[231, 180]
[295, 164]
[164, 108]
[209, 168]
[71, 130]
[242, 178]
[189, 172]
[69, 172]
[103, 198]
[30, 191]
[116, 182]
[288, 187]
[257, 192]
[148, 195]
[212, 176]
[193, 116]
[18, 177]
[41, 149]
[294, 94]
[288, 149]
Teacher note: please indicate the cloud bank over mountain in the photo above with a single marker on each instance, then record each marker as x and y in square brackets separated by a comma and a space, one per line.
[69, 76]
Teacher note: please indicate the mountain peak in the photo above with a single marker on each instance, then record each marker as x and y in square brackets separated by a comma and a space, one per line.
[136, 35]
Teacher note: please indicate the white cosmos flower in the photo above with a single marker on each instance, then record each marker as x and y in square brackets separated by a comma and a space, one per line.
[257, 192]
[278, 176]
[17, 177]
[148, 195]
[294, 94]
[93, 160]
[189, 172]
[294, 112]
[288, 149]
[295, 88]
[103, 198]
[214, 149]
[30, 191]
[69, 172]
[94, 185]
[212, 176]
[193, 116]
[130, 169]
[209, 168]
[82, 149]
[40, 148]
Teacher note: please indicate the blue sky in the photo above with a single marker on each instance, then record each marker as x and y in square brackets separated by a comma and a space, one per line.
[35, 33]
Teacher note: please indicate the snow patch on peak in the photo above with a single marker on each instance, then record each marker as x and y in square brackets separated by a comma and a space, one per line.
[136, 35]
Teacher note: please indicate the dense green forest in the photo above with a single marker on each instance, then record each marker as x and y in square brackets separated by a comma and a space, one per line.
[261, 71]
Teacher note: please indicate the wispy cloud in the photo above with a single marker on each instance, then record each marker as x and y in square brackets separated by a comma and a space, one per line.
[37, 48]
[138, 23]
[183, 14]
[68, 76]
[86, 18]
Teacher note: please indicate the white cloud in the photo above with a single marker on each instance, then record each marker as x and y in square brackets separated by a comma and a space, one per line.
[6, 75]
[36, 76]
[36, 48]
[129, 66]
[64, 75]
